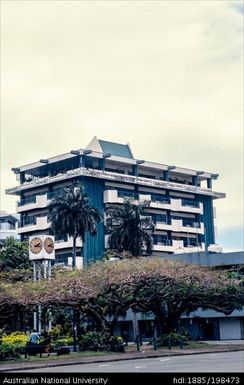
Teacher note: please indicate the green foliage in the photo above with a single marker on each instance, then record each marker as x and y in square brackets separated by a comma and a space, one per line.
[14, 343]
[185, 333]
[16, 275]
[173, 338]
[70, 213]
[131, 228]
[14, 255]
[63, 341]
[58, 338]
[55, 332]
[98, 341]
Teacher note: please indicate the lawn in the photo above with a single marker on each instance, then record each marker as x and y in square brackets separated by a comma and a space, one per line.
[146, 347]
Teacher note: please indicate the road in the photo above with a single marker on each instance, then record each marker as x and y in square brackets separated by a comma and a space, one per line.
[211, 362]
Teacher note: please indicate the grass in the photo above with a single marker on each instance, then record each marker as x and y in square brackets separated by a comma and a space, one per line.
[129, 349]
[53, 356]
[72, 355]
[149, 347]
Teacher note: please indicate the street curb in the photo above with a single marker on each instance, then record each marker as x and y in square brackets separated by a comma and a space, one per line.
[128, 356]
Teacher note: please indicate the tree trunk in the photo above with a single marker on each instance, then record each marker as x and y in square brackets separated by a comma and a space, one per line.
[159, 317]
[74, 327]
[171, 322]
[74, 253]
[159, 322]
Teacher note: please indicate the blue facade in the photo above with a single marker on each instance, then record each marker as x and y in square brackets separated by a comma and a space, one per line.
[94, 245]
[207, 219]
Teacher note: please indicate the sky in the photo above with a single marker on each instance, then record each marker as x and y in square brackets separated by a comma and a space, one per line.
[165, 76]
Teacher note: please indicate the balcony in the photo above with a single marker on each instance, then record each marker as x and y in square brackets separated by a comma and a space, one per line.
[39, 201]
[167, 245]
[113, 176]
[189, 203]
[33, 224]
[115, 196]
[178, 225]
[190, 248]
[128, 194]
[177, 247]
[160, 199]
[67, 243]
[190, 206]
[156, 201]
[27, 200]
[192, 227]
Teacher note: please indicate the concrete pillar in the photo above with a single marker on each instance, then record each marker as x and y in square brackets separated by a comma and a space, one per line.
[135, 325]
[209, 183]
[194, 180]
[135, 170]
[22, 177]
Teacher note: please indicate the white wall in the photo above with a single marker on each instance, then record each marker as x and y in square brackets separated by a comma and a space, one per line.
[230, 329]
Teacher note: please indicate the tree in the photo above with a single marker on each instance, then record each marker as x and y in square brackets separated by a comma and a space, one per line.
[70, 213]
[104, 291]
[14, 255]
[131, 228]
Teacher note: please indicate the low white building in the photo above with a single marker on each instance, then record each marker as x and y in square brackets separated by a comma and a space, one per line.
[8, 226]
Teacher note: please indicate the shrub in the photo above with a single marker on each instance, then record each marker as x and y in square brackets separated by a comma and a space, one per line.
[15, 338]
[99, 341]
[63, 341]
[55, 332]
[14, 344]
[173, 338]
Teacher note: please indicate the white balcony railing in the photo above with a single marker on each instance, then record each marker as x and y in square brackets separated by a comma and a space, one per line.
[113, 176]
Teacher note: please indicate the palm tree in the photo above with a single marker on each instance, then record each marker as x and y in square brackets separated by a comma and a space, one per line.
[131, 227]
[71, 214]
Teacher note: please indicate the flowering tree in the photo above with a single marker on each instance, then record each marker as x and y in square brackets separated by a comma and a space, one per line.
[106, 290]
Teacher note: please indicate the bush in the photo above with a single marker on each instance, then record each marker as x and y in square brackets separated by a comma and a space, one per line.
[63, 341]
[13, 344]
[173, 338]
[18, 339]
[55, 332]
[98, 341]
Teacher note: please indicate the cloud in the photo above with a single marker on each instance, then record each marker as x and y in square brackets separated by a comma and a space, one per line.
[165, 76]
[231, 238]
[238, 6]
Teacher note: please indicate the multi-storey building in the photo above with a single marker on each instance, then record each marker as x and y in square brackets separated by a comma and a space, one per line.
[8, 227]
[181, 200]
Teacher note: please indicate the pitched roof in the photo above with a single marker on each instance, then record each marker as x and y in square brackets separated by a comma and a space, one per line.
[116, 149]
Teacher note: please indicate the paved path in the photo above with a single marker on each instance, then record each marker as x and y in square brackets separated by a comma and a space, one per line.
[211, 362]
